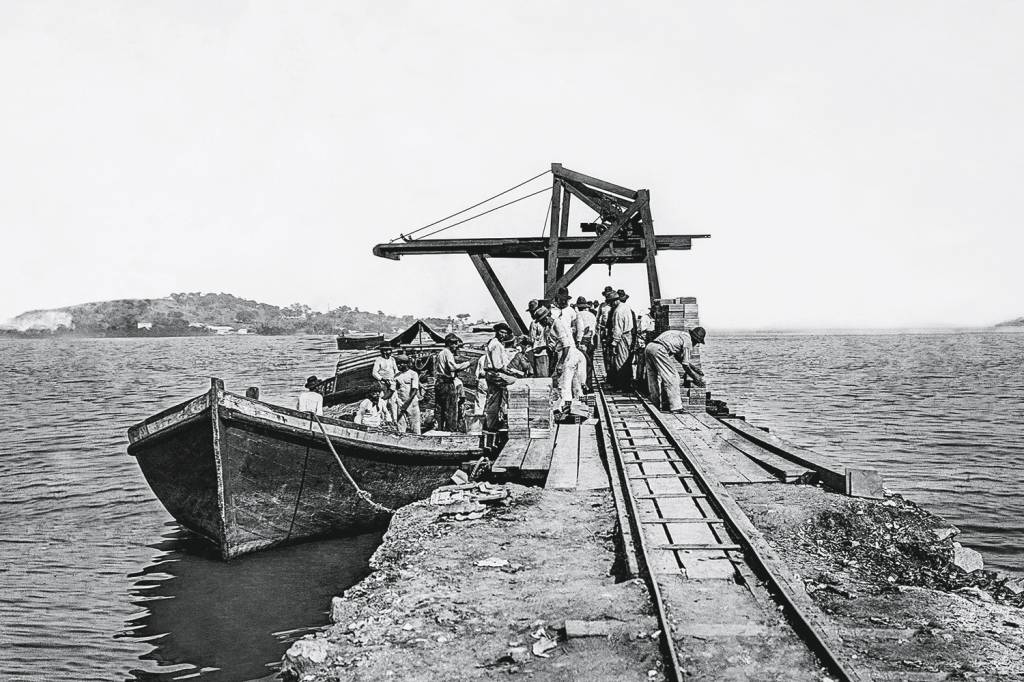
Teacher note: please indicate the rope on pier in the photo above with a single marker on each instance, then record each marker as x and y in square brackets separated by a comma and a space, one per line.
[365, 496]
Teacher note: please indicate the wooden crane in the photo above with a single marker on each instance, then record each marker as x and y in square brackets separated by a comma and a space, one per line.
[623, 233]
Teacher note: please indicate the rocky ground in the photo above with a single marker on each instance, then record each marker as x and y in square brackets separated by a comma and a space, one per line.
[887, 573]
[490, 598]
[518, 591]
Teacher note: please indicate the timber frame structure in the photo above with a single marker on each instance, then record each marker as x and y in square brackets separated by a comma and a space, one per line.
[624, 233]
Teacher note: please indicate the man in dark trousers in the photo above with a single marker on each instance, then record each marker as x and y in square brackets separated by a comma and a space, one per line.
[447, 385]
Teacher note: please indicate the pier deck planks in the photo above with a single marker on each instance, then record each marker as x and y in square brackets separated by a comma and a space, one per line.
[592, 474]
[725, 462]
[537, 460]
[511, 458]
[564, 458]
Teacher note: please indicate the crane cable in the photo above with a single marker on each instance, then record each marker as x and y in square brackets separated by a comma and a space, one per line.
[492, 210]
[406, 237]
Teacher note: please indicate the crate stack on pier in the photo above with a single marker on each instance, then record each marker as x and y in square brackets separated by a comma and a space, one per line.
[682, 313]
[529, 408]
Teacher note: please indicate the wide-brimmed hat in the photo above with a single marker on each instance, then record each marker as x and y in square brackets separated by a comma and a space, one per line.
[312, 381]
[622, 295]
[502, 327]
[562, 293]
[532, 305]
[582, 301]
[384, 346]
[698, 334]
[452, 338]
[540, 313]
[607, 289]
[610, 295]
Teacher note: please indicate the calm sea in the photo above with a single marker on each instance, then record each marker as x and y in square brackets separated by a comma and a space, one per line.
[97, 582]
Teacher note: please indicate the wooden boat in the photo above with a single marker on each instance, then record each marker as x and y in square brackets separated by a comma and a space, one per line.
[247, 475]
[359, 342]
[352, 378]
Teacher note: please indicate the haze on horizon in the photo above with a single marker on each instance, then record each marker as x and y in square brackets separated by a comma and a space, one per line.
[857, 164]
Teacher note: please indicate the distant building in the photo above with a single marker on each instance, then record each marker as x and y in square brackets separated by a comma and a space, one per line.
[220, 329]
[145, 325]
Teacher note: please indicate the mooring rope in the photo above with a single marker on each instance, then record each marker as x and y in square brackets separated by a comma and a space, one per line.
[469, 208]
[365, 496]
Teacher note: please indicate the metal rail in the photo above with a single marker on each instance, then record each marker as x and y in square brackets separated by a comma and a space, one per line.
[732, 529]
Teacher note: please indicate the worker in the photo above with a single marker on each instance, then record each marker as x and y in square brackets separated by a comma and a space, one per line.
[495, 359]
[622, 337]
[521, 364]
[571, 366]
[584, 333]
[447, 385]
[309, 400]
[373, 409]
[603, 311]
[541, 361]
[405, 403]
[561, 307]
[662, 375]
[384, 370]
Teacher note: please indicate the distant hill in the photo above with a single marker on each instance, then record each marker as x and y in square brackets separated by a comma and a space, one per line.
[1019, 322]
[195, 313]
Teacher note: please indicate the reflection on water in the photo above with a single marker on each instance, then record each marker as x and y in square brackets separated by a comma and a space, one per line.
[221, 619]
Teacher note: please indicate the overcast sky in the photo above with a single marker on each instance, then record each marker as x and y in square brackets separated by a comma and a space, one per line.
[856, 163]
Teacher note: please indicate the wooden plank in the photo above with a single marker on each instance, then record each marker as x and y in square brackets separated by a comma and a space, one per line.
[581, 194]
[511, 457]
[523, 247]
[784, 469]
[501, 299]
[599, 244]
[592, 474]
[537, 460]
[831, 473]
[565, 458]
[724, 462]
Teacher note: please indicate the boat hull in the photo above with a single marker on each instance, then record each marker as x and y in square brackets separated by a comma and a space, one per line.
[359, 342]
[248, 476]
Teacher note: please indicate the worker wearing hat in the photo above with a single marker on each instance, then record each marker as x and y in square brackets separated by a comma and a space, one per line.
[584, 331]
[604, 309]
[495, 359]
[448, 385]
[309, 399]
[539, 351]
[621, 341]
[561, 307]
[571, 365]
[405, 403]
[662, 375]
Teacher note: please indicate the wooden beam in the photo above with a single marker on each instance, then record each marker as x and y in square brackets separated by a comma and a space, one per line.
[504, 303]
[650, 245]
[584, 261]
[526, 247]
[591, 203]
[566, 174]
[551, 264]
[563, 232]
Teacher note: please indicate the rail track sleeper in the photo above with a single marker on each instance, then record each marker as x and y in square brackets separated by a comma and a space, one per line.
[698, 546]
[682, 519]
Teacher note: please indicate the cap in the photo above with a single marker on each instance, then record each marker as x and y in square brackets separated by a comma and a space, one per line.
[540, 313]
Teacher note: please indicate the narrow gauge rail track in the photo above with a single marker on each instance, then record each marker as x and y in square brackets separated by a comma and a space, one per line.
[684, 501]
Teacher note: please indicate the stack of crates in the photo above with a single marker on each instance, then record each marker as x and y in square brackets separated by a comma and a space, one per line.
[529, 408]
[682, 313]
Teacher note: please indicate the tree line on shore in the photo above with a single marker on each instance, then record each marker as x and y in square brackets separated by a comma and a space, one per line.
[196, 313]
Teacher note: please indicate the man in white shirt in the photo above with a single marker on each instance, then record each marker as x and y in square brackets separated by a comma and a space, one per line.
[373, 410]
[562, 309]
[662, 375]
[539, 350]
[571, 368]
[309, 400]
[406, 401]
[447, 385]
[584, 332]
[495, 359]
[385, 370]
